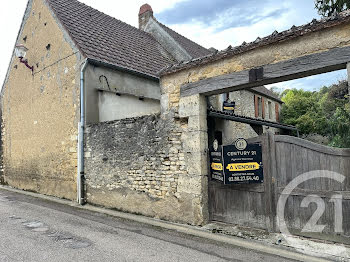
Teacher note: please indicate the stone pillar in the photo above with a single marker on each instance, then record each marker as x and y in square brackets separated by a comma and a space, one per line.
[195, 144]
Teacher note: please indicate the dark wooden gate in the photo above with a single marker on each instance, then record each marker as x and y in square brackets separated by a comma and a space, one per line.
[285, 158]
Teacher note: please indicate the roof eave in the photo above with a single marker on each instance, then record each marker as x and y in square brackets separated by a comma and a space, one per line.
[266, 95]
[292, 33]
[96, 62]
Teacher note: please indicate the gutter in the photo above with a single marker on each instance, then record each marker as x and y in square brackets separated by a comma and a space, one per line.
[81, 129]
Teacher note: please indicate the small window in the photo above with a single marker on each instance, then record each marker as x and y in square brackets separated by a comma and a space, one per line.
[259, 107]
[270, 109]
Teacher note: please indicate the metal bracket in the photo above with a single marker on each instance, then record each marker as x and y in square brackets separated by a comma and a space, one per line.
[256, 74]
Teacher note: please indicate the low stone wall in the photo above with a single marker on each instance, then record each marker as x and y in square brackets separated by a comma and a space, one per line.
[139, 165]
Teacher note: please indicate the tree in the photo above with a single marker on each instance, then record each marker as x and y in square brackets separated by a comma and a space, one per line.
[325, 113]
[328, 7]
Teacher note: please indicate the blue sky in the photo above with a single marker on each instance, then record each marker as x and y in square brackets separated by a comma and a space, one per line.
[211, 23]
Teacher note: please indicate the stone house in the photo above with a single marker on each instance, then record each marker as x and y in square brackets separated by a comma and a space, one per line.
[256, 103]
[90, 121]
[120, 78]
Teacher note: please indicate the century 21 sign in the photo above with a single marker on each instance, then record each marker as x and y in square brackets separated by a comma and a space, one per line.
[236, 164]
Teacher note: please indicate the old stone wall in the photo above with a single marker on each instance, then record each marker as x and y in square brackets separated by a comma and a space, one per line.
[141, 165]
[41, 110]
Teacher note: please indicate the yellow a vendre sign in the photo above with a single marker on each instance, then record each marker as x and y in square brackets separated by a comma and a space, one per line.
[217, 166]
[237, 163]
[243, 167]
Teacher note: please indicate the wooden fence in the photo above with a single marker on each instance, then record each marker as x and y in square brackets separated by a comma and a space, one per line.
[285, 158]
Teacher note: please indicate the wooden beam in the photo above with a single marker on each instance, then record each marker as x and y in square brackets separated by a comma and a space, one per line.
[318, 63]
[249, 120]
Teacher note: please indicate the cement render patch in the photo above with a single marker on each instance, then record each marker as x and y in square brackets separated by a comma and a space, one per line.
[204, 232]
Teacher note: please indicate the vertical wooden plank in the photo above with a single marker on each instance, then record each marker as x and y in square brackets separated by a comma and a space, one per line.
[311, 156]
[344, 169]
[337, 166]
[347, 173]
[305, 163]
[346, 218]
[210, 201]
[324, 185]
[288, 162]
[293, 162]
[296, 213]
[259, 212]
[256, 106]
[267, 179]
[328, 164]
[282, 171]
[252, 207]
[298, 160]
[274, 181]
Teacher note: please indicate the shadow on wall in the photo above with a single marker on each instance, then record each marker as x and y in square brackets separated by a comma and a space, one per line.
[29, 176]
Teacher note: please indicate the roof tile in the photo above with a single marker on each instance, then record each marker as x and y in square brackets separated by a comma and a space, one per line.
[103, 37]
[293, 32]
[192, 48]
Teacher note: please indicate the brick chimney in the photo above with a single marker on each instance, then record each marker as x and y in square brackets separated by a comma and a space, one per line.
[145, 14]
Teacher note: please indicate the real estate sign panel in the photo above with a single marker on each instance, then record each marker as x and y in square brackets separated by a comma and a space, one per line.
[236, 164]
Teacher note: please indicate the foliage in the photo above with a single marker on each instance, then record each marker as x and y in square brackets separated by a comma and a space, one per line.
[328, 7]
[326, 112]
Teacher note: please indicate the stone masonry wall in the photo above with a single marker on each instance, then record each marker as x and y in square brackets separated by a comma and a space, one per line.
[41, 110]
[140, 165]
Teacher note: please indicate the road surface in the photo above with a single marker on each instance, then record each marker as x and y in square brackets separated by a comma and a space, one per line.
[33, 229]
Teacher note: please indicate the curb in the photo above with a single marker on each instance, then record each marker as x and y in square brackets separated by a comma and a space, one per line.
[185, 229]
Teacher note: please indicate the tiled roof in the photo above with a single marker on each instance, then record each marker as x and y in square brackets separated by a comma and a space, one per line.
[293, 32]
[192, 48]
[106, 39]
[262, 90]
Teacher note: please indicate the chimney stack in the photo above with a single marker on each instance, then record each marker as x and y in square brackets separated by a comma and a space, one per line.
[145, 14]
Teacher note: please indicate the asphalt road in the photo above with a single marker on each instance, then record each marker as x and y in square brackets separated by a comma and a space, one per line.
[39, 230]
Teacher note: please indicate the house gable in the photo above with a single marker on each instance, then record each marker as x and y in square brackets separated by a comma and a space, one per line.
[41, 110]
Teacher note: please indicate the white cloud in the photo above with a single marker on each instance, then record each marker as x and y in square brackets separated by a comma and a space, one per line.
[299, 12]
